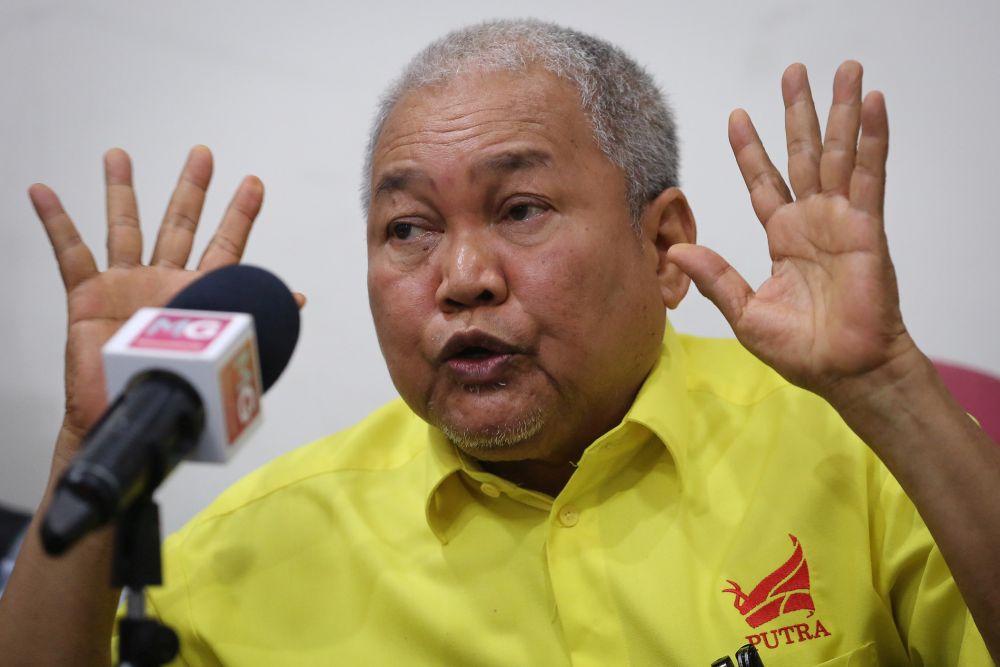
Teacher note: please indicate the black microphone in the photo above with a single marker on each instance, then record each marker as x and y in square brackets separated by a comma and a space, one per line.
[190, 386]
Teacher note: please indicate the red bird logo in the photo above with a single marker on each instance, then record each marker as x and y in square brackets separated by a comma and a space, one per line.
[784, 590]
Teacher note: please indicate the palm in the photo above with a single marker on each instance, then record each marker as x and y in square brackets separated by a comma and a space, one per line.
[96, 309]
[822, 313]
[830, 308]
[98, 303]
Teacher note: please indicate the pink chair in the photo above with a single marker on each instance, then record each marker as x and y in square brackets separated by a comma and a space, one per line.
[977, 391]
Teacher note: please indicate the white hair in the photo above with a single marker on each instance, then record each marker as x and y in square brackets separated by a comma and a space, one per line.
[632, 123]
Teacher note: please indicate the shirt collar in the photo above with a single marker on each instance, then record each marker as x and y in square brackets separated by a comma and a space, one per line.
[661, 406]
[444, 489]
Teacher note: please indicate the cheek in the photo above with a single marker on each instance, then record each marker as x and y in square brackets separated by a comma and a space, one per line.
[570, 288]
[594, 305]
[398, 301]
[398, 313]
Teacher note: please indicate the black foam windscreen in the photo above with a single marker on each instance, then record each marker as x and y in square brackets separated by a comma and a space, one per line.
[240, 288]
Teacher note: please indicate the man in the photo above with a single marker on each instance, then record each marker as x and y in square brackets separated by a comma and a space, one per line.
[568, 480]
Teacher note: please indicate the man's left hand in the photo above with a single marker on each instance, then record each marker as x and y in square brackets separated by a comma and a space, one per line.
[829, 314]
[828, 320]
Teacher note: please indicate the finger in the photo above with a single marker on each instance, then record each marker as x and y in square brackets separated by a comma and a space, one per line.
[767, 188]
[715, 278]
[124, 234]
[76, 263]
[300, 299]
[173, 244]
[230, 239]
[801, 131]
[842, 126]
[868, 179]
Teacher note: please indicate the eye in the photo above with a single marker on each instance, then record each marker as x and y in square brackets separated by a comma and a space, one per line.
[400, 230]
[524, 211]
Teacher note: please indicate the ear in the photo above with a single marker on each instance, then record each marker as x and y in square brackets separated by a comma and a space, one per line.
[668, 220]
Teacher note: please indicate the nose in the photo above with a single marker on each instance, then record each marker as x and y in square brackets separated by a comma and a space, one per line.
[471, 274]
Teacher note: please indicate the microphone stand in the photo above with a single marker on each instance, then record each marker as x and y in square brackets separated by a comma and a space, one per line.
[143, 641]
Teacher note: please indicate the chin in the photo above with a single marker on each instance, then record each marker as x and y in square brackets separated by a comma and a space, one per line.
[504, 441]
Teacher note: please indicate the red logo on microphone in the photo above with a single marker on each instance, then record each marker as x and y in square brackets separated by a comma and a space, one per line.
[783, 591]
[240, 391]
[180, 332]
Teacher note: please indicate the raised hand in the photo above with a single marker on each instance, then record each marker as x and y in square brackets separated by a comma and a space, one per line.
[100, 302]
[829, 313]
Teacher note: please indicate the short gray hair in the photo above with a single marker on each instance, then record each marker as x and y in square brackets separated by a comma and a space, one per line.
[632, 123]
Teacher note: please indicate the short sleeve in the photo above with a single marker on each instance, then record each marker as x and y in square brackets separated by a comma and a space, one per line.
[931, 616]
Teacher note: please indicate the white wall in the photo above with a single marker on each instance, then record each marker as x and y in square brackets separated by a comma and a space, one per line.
[286, 91]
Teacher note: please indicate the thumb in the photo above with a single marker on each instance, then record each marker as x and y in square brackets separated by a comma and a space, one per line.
[714, 277]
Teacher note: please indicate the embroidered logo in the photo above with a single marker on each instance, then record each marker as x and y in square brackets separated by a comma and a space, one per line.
[784, 590]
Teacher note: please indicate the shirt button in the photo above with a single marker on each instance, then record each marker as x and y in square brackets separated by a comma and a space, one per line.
[490, 490]
[569, 516]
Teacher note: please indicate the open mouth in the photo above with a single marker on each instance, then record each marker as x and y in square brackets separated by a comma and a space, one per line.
[475, 357]
[472, 345]
[475, 352]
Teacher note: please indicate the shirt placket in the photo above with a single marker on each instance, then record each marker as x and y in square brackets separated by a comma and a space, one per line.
[576, 558]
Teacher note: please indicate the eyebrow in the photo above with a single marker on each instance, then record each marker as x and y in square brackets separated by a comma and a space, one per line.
[512, 161]
[397, 180]
[506, 162]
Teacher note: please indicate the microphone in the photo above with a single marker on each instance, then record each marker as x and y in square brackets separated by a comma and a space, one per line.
[188, 380]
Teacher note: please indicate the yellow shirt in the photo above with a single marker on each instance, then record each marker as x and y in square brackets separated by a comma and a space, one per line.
[727, 507]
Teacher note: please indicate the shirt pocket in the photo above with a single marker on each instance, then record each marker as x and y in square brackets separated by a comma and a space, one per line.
[864, 656]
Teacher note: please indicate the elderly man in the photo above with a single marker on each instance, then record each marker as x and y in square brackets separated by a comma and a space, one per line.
[567, 480]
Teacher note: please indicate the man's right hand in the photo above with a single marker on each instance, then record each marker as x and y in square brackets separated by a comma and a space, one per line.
[60, 611]
[100, 302]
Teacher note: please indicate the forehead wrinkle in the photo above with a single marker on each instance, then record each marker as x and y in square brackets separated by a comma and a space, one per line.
[504, 163]
[440, 112]
[432, 120]
[443, 135]
[396, 179]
